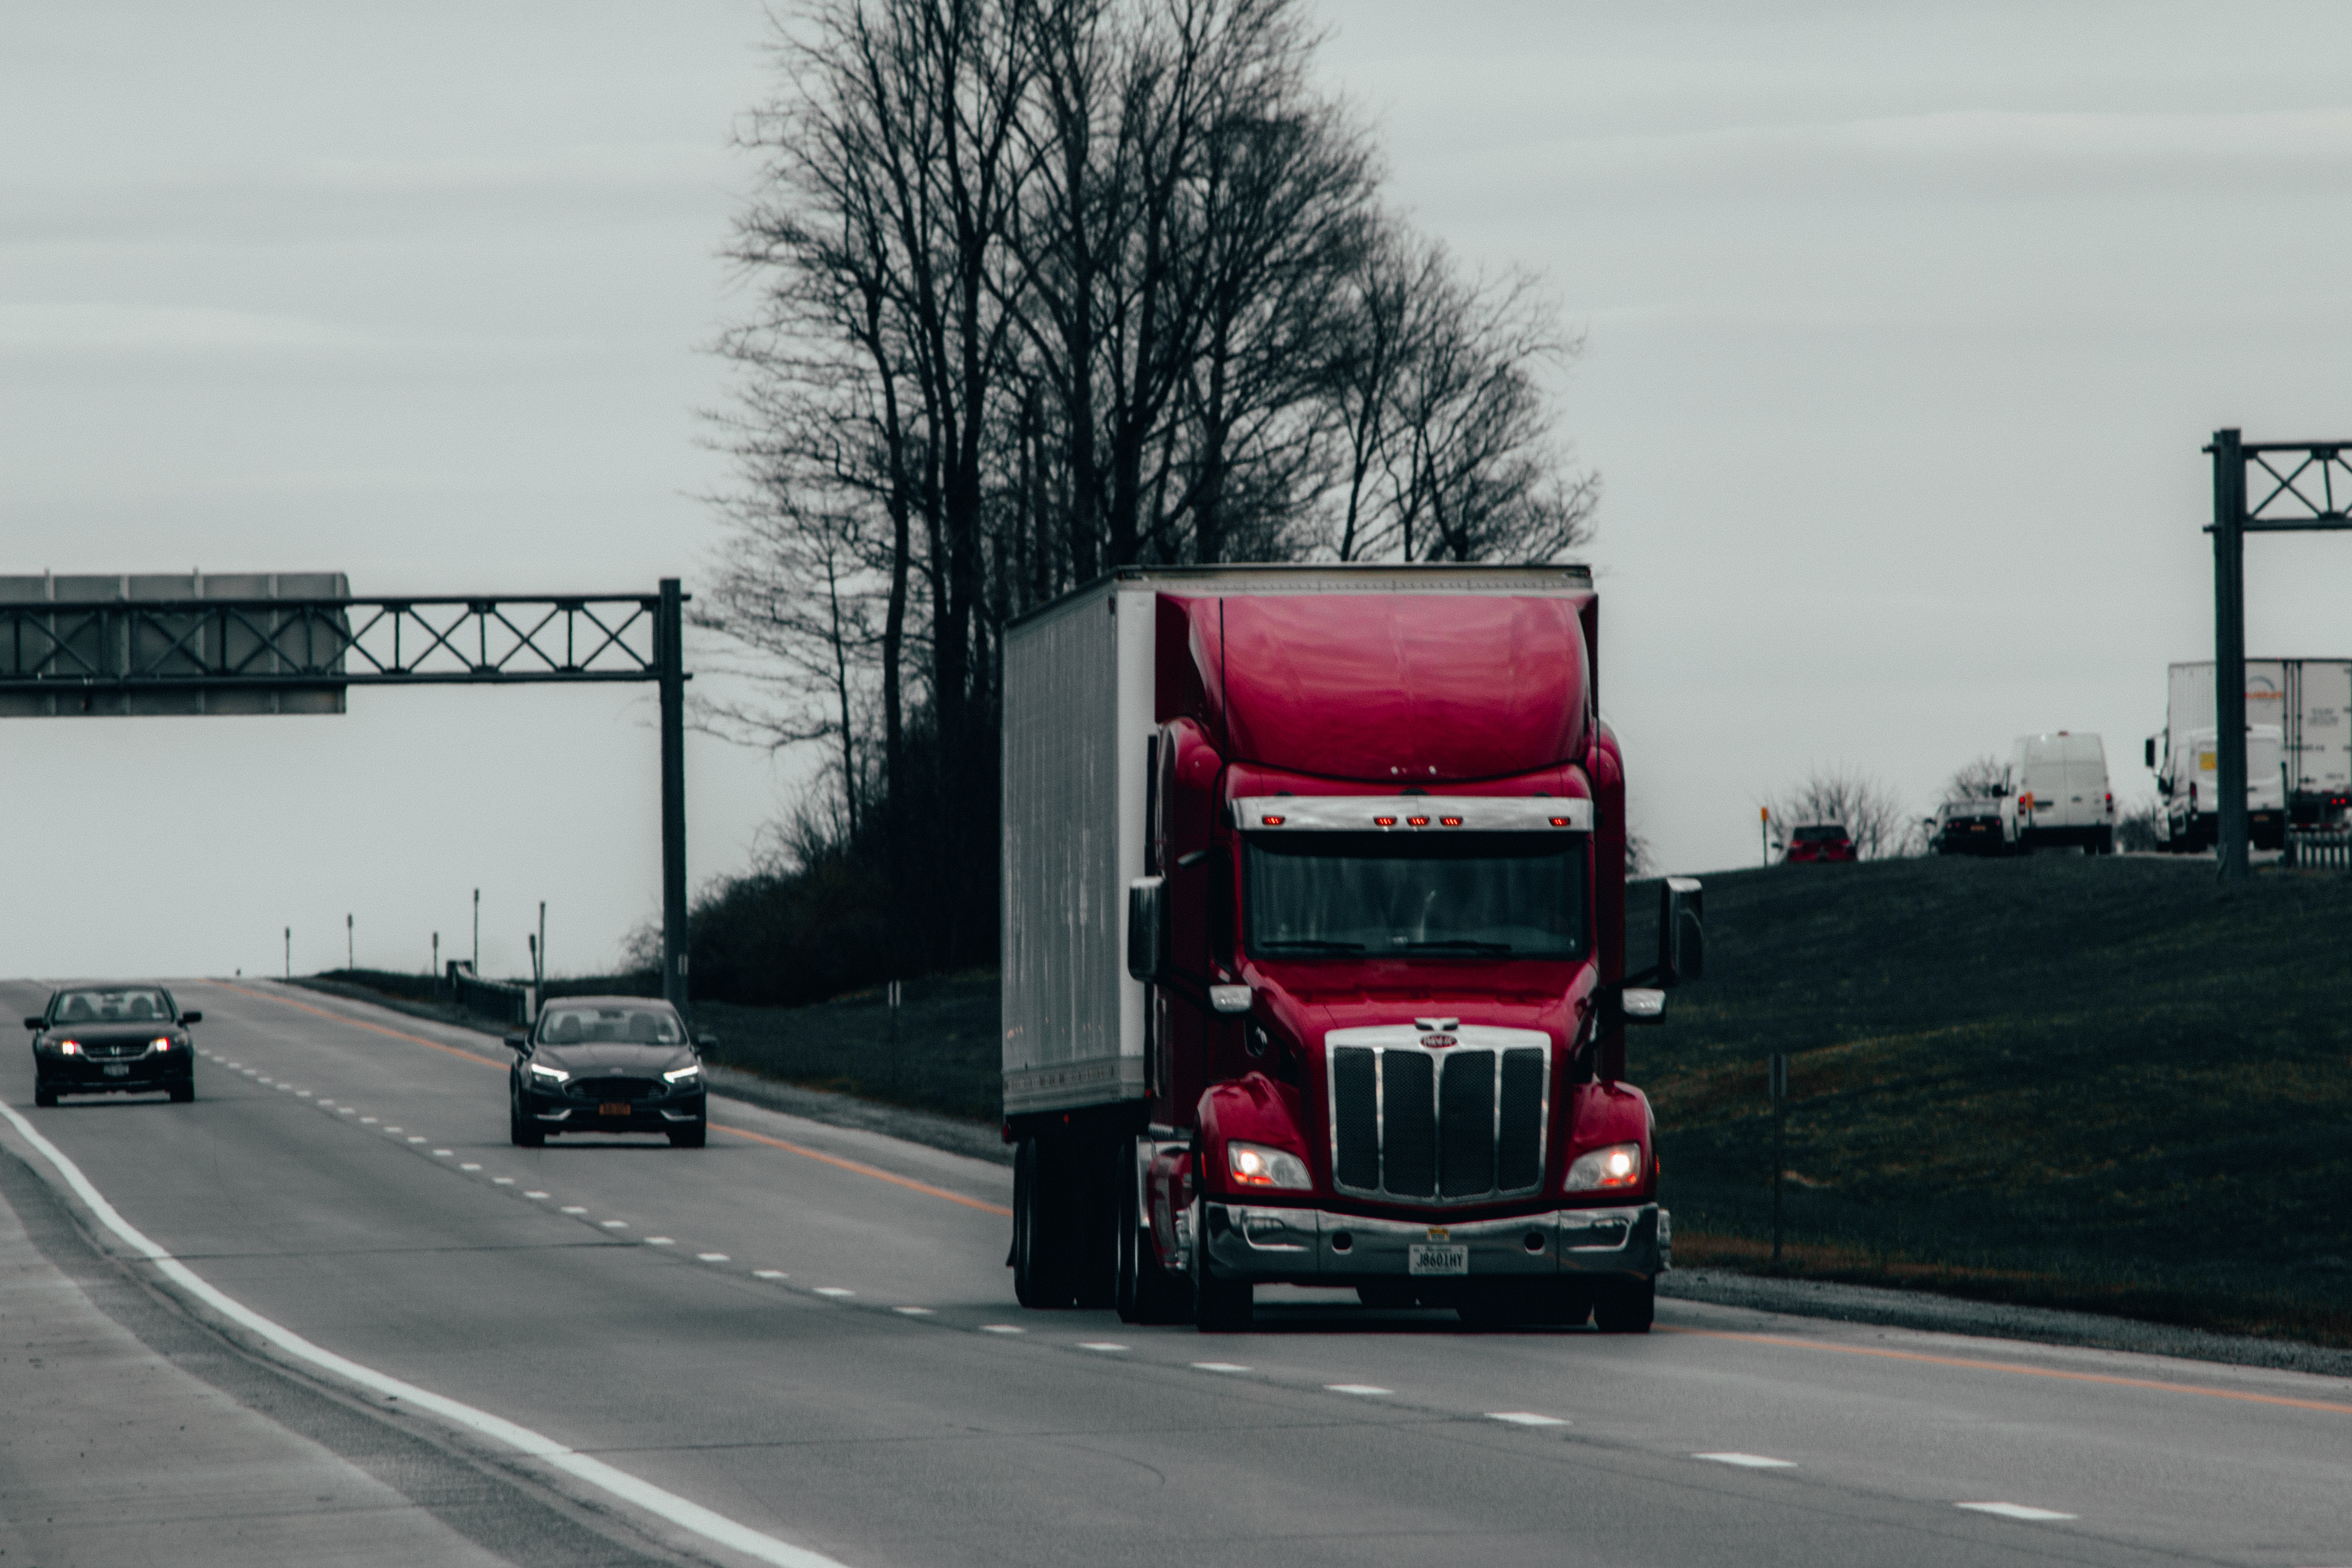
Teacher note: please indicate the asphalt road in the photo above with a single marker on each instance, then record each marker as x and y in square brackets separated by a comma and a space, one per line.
[809, 1331]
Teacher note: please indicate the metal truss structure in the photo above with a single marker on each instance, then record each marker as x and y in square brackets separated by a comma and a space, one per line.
[2303, 487]
[133, 646]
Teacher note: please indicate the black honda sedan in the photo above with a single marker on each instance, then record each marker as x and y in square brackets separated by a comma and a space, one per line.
[607, 1064]
[108, 1037]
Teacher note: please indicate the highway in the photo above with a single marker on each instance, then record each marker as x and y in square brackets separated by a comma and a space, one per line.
[805, 1336]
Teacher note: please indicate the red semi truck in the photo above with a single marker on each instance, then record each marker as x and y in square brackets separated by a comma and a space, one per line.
[1314, 948]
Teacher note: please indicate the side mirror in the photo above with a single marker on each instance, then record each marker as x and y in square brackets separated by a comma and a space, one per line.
[517, 1042]
[1623, 1005]
[34, 1023]
[1682, 933]
[1149, 940]
[192, 1018]
[2147, 753]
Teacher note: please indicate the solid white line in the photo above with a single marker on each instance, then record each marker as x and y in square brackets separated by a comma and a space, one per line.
[1525, 1418]
[1357, 1388]
[705, 1523]
[1748, 1461]
[2014, 1510]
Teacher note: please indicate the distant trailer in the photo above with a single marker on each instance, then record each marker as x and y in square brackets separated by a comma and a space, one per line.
[2310, 701]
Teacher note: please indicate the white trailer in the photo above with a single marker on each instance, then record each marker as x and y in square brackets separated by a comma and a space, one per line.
[2308, 701]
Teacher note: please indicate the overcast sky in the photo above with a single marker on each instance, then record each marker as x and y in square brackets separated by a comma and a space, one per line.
[1904, 328]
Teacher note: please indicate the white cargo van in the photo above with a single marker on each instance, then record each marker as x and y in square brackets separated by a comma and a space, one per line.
[2056, 792]
[2190, 786]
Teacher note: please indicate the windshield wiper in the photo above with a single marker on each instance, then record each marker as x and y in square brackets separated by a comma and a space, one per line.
[1314, 944]
[1459, 943]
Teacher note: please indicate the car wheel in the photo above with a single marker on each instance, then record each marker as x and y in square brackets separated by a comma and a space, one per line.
[519, 1133]
[182, 1093]
[44, 1096]
[692, 1136]
[1625, 1306]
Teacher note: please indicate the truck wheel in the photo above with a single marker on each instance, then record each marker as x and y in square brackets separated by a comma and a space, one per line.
[1625, 1306]
[1038, 1281]
[1219, 1305]
[1147, 1292]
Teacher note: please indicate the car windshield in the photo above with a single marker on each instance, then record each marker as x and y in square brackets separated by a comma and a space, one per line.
[1827, 833]
[111, 1004]
[1332, 894]
[646, 1026]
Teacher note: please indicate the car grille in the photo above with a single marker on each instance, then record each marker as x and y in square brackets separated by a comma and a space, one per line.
[615, 1088]
[111, 1053]
[1446, 1124]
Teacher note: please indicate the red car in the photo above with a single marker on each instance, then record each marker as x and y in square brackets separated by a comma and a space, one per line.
[1819, 841]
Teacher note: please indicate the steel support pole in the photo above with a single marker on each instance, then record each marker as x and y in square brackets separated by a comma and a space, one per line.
[2229, 655]
[670, 654]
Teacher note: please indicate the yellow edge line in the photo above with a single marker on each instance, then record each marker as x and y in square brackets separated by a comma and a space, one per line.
[880, 1176]
[2020, 1369]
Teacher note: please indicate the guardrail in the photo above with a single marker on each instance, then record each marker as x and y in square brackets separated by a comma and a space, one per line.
[516, 1004]
[2329, 851]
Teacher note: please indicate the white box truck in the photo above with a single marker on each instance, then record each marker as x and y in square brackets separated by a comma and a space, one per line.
[2305, 702]
[2190, 785]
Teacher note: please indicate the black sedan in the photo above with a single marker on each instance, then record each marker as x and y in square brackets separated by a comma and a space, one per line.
[105, 1037]
[607, 1064]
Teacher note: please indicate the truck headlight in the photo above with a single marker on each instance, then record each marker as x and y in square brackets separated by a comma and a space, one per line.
[1255, 1166]
[1606, 1170]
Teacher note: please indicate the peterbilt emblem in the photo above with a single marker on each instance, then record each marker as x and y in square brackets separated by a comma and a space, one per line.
[1435, 1040]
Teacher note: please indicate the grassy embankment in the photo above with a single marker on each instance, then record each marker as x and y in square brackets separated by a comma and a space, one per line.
[2104, 1083]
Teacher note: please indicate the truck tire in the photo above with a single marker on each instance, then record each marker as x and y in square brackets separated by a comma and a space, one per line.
[1040, 1283]
[1625, 1306]
[1219, 1305]
[1146, 1293]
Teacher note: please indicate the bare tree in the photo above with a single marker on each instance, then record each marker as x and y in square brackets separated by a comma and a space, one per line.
[1979, 778]
[1868, 811]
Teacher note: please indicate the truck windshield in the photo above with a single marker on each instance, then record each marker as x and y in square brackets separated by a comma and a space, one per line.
[1489, 894]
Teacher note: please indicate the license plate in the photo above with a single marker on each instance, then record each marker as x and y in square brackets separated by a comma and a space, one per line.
[613, 1109]
[1454, 1260]
[117, 1070]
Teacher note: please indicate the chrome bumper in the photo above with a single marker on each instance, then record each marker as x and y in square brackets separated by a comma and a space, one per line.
[1246, 1241]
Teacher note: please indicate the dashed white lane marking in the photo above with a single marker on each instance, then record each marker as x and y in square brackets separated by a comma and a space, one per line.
[441, 1153]
[302, 1094]
[575, 1208]
[833, 1290]
[1100, 1345]
[467, 1166]
[285, 1089]
[502, 1181]
[367, 1120]
[392, 1129]
[769, 1274]
[708, 1523]
[711, 1257]
[914, 1311]
[417, 1138]
[1748, 1461]
[534, 1195]
[659, 1241]
[1218, 1367]
[1525, 1418]
[1357, 1388]
[612, 1223]
[1001, 1328]
[346, 1110]
[2014, 1510]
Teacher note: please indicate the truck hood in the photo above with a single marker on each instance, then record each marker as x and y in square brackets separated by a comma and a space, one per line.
[1310, 1000]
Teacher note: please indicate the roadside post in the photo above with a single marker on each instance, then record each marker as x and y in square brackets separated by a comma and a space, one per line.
[289, 953]
[1764, 834]
[894, 1037]
[1777, 1086]
[350, 959]
[436, 971]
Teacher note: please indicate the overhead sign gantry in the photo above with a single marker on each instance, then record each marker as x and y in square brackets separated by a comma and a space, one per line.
[296, 643]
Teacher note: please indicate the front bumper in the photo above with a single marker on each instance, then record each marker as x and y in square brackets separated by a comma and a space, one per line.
[138, 1075]
[561, 1113]
[1310, 1247]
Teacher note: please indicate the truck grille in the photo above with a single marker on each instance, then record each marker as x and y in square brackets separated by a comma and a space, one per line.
[1446, 1124]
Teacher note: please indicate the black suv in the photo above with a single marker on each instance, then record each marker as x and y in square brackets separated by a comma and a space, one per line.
[108, 1037]
[607, 1064]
